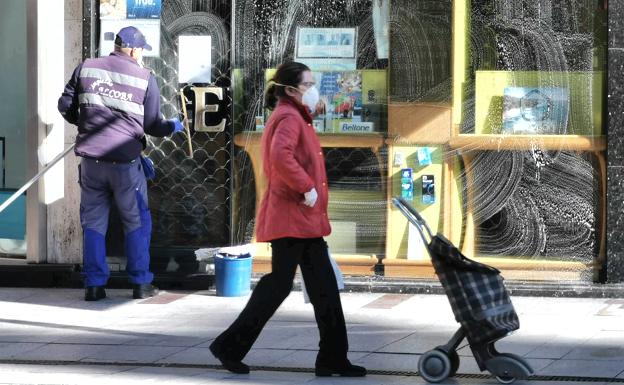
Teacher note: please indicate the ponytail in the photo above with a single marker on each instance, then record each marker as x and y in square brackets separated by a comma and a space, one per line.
[270, 99]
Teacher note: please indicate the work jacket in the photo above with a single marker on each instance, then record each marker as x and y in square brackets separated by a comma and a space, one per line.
[293, 164]
[114, 102]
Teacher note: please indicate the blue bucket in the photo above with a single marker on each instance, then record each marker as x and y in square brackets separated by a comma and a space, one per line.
[233, 275]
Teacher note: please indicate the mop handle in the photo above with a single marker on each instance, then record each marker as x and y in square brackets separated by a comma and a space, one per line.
[35, 178]
[186, 122]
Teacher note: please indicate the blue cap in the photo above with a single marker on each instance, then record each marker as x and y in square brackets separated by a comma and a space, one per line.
[131, 37]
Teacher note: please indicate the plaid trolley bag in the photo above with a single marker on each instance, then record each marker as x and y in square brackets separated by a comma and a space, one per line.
[480, 304]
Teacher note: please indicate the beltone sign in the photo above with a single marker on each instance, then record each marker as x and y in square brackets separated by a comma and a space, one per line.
[356, 127]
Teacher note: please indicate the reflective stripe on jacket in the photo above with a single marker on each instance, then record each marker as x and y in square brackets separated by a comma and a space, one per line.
[111, 94]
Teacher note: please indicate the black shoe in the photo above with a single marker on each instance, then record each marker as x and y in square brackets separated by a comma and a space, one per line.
[94, 293]
[346, 370]
[237, 367]
[144, 291]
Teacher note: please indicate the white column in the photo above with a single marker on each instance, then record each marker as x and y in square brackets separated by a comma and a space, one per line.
[51, 35]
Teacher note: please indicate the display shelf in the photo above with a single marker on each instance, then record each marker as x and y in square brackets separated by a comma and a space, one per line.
[418, 123]
[500, 142]
[356, 264]
[250, 141]
[511, 268]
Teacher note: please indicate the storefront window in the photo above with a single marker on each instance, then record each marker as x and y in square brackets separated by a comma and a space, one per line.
[346, 45]
[494, 115]
[529, 126]
[487, 116]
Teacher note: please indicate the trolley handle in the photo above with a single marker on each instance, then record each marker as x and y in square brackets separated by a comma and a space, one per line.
[413, 216]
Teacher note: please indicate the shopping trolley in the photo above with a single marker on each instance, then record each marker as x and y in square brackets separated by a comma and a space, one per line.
[480, 304]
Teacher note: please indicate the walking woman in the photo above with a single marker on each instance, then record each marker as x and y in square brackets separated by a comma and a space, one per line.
[293, 217]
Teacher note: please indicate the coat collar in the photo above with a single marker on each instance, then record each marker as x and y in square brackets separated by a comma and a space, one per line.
[125, 57]
[300, 107]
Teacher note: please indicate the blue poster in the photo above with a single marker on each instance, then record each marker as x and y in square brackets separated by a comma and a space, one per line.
[144, 9]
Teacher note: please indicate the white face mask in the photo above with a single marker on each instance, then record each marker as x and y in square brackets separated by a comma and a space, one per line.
[310, 98]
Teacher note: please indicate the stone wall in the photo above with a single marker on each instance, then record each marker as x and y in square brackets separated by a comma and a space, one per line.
[64, 232]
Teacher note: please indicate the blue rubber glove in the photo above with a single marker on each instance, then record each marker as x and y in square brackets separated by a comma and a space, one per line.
[177, 125]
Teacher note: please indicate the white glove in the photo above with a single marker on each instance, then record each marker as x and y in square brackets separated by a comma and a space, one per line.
[310, 197]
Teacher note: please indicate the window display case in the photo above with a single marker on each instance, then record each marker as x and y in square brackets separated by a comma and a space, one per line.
[343, 45]
[528, 118]
[488, 115]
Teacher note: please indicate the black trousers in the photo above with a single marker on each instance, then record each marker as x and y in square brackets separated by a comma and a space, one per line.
[312, 257]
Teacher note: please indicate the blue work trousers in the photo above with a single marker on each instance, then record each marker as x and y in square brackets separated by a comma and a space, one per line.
[100, 184]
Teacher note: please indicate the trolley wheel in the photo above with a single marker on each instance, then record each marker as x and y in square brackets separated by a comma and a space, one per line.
[454, 357]
[507, 368]
[505, 380]
[434, 366]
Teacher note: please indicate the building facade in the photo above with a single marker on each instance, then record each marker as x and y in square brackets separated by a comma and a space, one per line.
[497, 120]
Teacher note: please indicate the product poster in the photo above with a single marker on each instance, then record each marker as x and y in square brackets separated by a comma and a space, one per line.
[194, 59]
[528, 110]
[341, 94]
[149, 28]
[326, 43]
[143, 9]
[112, 9]
[327, 48]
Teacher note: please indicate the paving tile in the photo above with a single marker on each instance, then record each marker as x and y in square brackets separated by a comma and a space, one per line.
[559, 336]
[298, 359]
[163, 299]
[266, 357]
[604, 345]
[288, 335]
[24, 335]
[587, 368]
[13, 295]
[372, 338]
[51, 378]
[389, 361]
[87, 370]
[368, 380]
[168, 340]
[147, 354]
[537, 364]
[419, 342]
[62, 352]
[94, 338]
[553, 349]
[12, 350]
[520, 343]
[166, 374]
[268, 377]
[192, 356]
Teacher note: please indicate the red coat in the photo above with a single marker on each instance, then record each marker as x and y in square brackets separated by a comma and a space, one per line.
[293, 164]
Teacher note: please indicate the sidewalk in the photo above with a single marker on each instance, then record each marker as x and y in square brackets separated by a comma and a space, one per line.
[52, 336]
